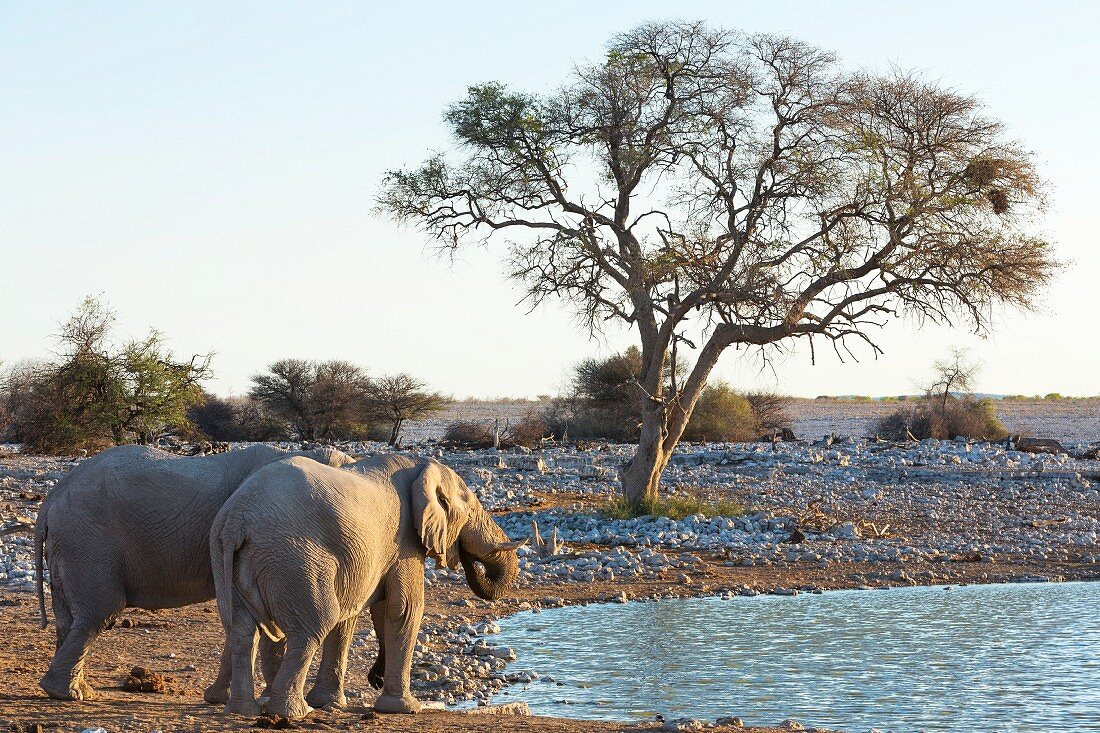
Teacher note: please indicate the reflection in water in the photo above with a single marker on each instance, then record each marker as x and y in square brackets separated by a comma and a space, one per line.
[976, 658]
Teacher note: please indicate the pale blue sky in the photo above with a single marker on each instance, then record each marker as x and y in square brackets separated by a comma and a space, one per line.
[210, 167]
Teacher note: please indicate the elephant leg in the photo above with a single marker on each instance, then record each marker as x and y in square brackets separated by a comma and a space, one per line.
[271, 658]
[241, 640]
[404, 609]
[377, 673]
[328, 689]
[76, 630]
[218, 691]
[65, 678]
[287, 699]
[62, 618]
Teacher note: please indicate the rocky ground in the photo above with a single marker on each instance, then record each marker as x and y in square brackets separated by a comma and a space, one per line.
[830, 513]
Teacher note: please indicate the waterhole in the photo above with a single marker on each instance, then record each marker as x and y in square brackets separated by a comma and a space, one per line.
[974, 658]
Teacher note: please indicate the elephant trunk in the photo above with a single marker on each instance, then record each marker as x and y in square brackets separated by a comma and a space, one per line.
[488, 558]
[491, 576]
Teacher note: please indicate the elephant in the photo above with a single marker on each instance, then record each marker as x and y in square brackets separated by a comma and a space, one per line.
[130, 527]
[301, 549]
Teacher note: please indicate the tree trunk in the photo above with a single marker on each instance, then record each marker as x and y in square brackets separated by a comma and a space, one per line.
[642, 475]
[661, 429]
[395, 432]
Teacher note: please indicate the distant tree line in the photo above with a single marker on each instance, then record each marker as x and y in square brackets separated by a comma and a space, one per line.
[95, 393]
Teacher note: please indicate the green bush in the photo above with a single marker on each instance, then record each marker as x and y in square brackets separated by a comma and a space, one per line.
[96, 393]
[722, 415]
[605, 404]
[966, 417]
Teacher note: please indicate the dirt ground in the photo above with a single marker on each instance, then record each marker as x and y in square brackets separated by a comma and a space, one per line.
[183, 644]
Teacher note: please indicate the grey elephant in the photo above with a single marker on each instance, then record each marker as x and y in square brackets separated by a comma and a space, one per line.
[301, 549]
[130, 527]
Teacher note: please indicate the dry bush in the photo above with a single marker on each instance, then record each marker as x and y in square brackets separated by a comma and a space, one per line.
[527, 433]
[772, 410]
[961, 417]
[469, 434]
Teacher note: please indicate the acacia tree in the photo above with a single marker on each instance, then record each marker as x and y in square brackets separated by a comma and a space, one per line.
[400, 397]
[955, 372]
[315, 399]
[747, 183]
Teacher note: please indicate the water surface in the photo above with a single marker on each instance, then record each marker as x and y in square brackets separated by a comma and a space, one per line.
[976, 658]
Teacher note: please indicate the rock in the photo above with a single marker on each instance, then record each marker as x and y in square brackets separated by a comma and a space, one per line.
[846, 531]
[509, 708]
[275, 722]
[1039, 445]
[733, 722]
[683, 724]
[531, 463]
[790, 724]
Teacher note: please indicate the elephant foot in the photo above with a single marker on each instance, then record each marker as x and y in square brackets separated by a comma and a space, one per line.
[216, 694]
[396, 704]
[290, 707]
[241, 707]
[326, 699]
[63, 687]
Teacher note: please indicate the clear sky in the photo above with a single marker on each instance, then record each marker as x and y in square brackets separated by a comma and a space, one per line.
[209, 168]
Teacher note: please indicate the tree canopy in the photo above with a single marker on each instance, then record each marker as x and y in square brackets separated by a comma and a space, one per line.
[714, 189]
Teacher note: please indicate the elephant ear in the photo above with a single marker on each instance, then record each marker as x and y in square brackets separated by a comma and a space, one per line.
[438, 510]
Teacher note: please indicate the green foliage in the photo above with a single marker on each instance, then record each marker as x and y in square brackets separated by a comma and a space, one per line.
[97, 394]
[722, 415]
[673, 507]
[605, 402]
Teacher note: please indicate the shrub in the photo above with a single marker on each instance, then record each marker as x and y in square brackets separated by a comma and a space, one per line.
[966, 417]
[95, 393]
[527, 432]
[469, 434]
[722, 415]
[771, 410]
[673, 507]
[235, 419]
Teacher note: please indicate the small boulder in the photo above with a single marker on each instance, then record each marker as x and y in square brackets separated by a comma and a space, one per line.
[1039, 445]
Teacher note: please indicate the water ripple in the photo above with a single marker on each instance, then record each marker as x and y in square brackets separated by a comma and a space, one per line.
[987, 658]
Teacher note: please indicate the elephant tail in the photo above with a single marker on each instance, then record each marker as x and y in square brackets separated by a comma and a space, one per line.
[225, 586]
[39, 564]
